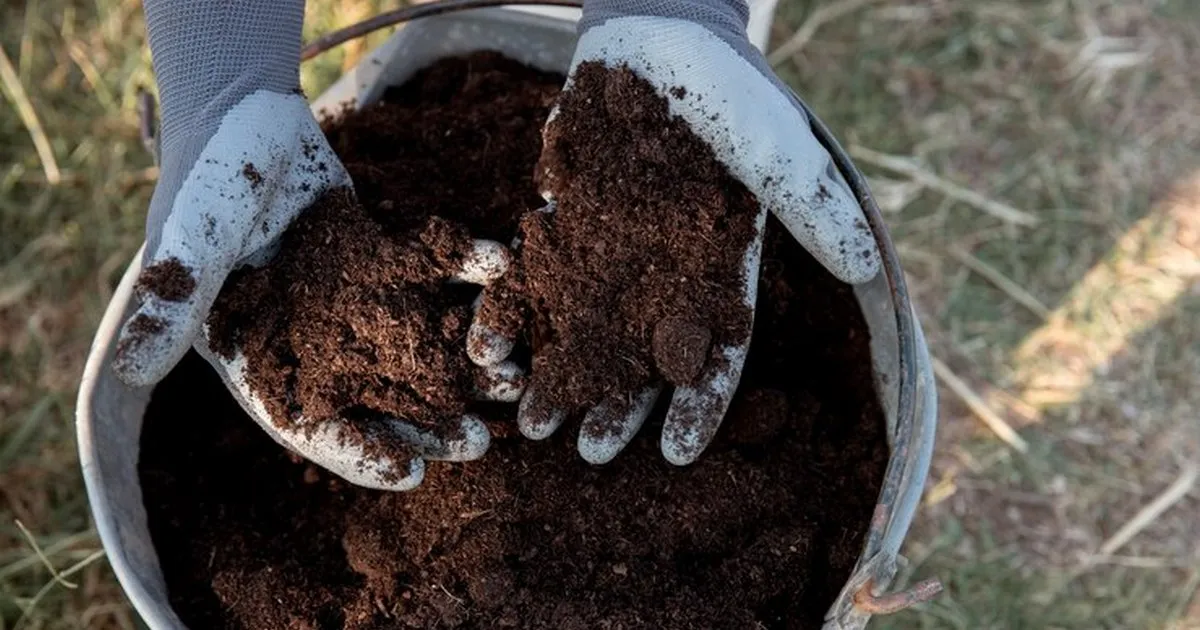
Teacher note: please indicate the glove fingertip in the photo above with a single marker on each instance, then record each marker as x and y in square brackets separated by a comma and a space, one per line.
[486, 347]
[369, 456]
[609, 426]
[504, 382]
[396, 481]
[175, 292]
[471, 442]
[857, 261]
[858, 255]
[147, 348]
[486, 261]
[537, 419]
[831, 226]
[866, 266]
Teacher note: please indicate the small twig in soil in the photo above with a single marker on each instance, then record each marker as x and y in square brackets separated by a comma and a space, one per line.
[412, 354]
[457, 600]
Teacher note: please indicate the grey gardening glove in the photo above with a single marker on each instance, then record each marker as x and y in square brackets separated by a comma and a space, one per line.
[757, 129]
[241, 157]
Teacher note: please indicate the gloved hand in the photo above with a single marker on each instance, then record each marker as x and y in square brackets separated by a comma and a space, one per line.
[392, 455]
[755, 126]
[241, 157]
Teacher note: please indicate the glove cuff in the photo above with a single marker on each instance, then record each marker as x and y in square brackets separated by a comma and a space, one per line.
[726, 18]
[209, 55]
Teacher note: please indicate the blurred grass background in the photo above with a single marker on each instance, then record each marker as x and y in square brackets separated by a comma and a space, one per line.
[1039, 164]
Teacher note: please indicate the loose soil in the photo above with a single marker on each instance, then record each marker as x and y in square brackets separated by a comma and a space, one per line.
[763, 529]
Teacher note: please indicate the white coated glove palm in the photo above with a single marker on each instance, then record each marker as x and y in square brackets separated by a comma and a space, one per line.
[732, 101]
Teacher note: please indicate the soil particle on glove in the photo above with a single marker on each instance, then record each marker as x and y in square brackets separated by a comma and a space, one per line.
[648, 227]
[141, 328]
[360, 323]
[168, 279]
[505, 309]
[250, 172]
[147, 325]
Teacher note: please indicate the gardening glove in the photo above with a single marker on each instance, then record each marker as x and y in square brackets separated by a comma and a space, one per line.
[697, 56]
[241, 157]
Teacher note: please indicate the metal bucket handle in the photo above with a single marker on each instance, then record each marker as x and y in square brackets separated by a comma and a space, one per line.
[877, 565]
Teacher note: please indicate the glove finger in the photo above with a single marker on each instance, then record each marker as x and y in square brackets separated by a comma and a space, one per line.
[697, 410]
[484, 263]
[176, 292]
[609, 426]
[486, 346]
[384, 455]
[378, 456]
[504, 382]
[536, 417]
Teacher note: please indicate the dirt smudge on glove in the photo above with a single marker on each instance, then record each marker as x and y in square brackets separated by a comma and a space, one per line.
[141, 328]
[762, 531]
[168, 280]
[250, 172]
[144, 324]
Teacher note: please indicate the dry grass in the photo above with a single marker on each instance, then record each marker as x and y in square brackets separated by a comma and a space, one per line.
[1082, 330]
[1079, 328]
[61, 246]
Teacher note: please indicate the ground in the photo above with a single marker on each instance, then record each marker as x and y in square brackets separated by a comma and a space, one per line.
[1039, 165]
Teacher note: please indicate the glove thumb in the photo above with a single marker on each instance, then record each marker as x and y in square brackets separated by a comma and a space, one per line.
[175, 294]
